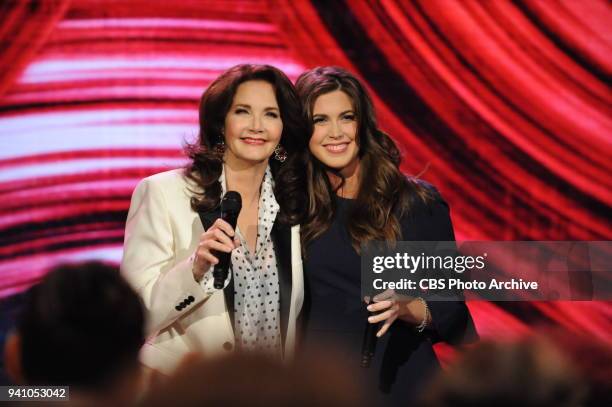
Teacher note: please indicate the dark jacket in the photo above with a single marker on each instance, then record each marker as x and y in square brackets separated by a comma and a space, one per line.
[405, 358]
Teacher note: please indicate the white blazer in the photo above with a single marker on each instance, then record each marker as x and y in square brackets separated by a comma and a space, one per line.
[161, 235]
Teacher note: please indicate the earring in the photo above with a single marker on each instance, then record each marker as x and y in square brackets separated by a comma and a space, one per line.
[280, 153]
[219, 148]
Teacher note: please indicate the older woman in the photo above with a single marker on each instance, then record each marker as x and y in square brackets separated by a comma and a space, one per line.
[249, 136]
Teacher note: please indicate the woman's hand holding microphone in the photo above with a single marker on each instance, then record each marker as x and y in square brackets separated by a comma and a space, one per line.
[220, 237]
[390, 306]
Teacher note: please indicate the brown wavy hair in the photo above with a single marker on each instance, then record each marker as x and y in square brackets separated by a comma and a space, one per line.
[385, 194]
[206, 162]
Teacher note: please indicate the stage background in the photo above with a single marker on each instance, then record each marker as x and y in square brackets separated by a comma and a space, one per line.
[505, 106]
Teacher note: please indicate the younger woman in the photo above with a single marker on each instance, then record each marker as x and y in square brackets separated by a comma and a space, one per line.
[358, 194]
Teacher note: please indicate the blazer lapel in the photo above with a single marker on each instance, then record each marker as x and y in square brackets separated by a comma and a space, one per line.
[208, 218]
[281, 237]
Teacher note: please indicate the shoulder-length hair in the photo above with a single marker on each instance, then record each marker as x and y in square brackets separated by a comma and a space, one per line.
[206, 160]
[385, 194]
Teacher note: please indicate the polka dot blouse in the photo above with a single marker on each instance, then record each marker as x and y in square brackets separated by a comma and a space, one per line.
[256, 295]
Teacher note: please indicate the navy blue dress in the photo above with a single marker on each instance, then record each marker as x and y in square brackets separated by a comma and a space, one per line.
[335, 314]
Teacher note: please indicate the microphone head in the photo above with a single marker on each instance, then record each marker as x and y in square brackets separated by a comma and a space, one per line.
[231, 202]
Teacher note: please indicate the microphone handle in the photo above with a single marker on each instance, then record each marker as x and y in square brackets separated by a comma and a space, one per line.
[368, 347]
[221, 269]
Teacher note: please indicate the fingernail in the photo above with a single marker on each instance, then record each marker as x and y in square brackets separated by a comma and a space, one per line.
[378, 334]
[370, 308]
[371, 319]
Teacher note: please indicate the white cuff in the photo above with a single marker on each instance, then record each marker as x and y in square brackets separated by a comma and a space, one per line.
[207, 280]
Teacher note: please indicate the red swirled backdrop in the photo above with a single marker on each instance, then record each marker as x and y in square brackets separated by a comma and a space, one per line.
[506, 105]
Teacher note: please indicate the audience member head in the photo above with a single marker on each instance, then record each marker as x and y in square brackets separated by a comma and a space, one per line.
[256, 380]
[527, 373]
[82, 326]
[591, 358]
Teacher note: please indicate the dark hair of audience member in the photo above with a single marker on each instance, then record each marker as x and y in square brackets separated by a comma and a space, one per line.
[527, 373]
[256, 380]
[591, 358]
[82, 326]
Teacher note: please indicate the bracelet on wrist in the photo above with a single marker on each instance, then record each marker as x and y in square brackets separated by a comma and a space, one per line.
[426, 318]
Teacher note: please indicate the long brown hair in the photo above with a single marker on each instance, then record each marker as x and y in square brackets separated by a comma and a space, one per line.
[206, 161]
[385, 194]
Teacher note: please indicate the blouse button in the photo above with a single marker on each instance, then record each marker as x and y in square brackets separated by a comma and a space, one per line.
[228, 346]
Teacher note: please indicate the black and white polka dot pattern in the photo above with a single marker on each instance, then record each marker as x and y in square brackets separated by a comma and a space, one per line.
[256, 296]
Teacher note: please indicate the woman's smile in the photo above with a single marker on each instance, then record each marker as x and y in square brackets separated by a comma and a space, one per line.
[337, 148]
[253, 141]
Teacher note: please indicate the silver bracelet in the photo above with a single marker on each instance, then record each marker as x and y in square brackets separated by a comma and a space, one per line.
[421, 327]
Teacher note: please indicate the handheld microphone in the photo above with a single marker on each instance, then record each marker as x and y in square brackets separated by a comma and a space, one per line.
[368, 346]
[231, 204]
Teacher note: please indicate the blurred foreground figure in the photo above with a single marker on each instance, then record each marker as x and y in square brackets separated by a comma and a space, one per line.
[255, 380]
[529, 373]
[591, 358]
[82, 326]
